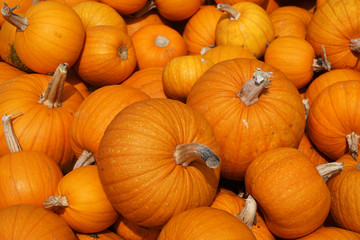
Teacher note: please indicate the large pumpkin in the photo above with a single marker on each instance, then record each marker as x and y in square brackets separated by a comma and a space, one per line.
[157, 158]
[331, 233]
[247, 118]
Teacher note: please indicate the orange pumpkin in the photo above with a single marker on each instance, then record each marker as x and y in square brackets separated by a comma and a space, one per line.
[77, 83]
[307, 147]
[345, 198]
[226, 52]
[155, 45]
[334, 128]
[290, 192]
[62, 36]
[148, 80]
[205, 223]
[33, 223]
[247, 118]
[176, 10]
[199, 31]
[108, 56]
[7, 71]
[342, 42]
[125, 7]
[164, 144]
[331, 233]
[131, 231]
[135, 23]
[103, 235]
[71, 3]
[245, 24]
[80, 200]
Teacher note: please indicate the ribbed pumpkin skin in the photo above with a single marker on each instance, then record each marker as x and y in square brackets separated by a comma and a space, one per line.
[343, 23]
[95, 114]
[254, 23]
[32, 223]
[205, 223]
[309, 149]
[89, 209]
[345, 200]
[176, 10]
[94, 13]
[27, 177]
[135, 23]
[8, 71]
[327, 79]
[227, 52]
[329, 123]
[197, 37]
[331, 233]
[39, 127]
[299, 200]
[71, 3]
[125, 7]
[50, 40]
[277, 120]
[135, 161]
[104, 235]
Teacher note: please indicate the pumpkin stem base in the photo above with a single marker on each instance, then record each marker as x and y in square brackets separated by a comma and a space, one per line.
[59, 201]
[326, 170]
[248, 214]
[234, 14]
[86, 158]
[19, 22]
[321, 64]
[355, 45]
[353, 143]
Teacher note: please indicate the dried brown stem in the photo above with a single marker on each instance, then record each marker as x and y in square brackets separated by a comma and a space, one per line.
[59, 201]
[19, 22]
[9, 133]
[321, 64]
[355, 45]
[150, 5]
[248, 214]
[233, 13]
[352, 140]
[86, 158]
[326, 170]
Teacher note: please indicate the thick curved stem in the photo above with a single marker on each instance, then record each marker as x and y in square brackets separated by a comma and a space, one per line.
[250, 91]
[352, 140]
[326, 170]
[53, 93]
[205, 49]
[186, 153]
[59, 201]
[150, 5]
[86, 158]
[248, 214]
[9, 133]
[19, 22]
[355, 45]
[321, 64]
[233, 13]
[307, 107]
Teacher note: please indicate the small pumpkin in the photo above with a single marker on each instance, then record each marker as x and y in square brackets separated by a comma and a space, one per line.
[226, 52]
[125, 7]
[176, 10]
[331, 233]
[307, 147]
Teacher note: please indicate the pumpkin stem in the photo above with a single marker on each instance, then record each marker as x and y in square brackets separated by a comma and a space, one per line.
[234, 14]
[86, 158]
[53, 93]
[307, 106]
[123, 53]
[326, 170]
[188, 152]
[19, 22]
[9, 133]
[150, 5]
[250, 91]
[321, 64]
[205, 49]
[59, 201]
[248, 214]
[161, 41]
[355, 45]
[353, 143]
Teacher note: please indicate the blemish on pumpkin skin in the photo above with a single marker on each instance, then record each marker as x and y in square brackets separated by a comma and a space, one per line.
[169, 53]
[59, 35]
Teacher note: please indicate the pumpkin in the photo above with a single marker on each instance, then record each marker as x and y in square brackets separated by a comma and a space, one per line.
[307, 147]
[149, 148]
[232, 2]
[181, 73]
[295, 57]
[8, 71]
[176, 10]
[333, 128]
[93, 13]
[80, 200]
[47, 106]
[199, 31]
[270, 6]
[61, 30]
[108, 56]
[93, 116]
[132, 231]
[26, 221]
[290, 21]
[27, 177]
[328, 78]
[205, 223]
[345, 198]
[148, 80]
[71, 3]
[155, 45]
[226, 52]
[244, 24]
[342, 42]
[103, 235]
[21, 6]
[247, 118]
[290, 192]
[135, 23]
[331, 233]
[77, 83]
[244, 210]
[125, 7]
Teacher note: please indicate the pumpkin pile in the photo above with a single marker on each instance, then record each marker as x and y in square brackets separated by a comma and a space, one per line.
[186, 120]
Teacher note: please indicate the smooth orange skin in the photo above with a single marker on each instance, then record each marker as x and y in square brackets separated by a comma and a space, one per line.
[125, 7]
[291, 194]
[8, 71]
[307, 147]
[27, 177]
[39, 127]
[96, 112]
[345, 199]
[199, 31]
[331, 233]
[205, 223]
[329, 123]
[55, 34]
[89, 209]
[32, 223]
[226, 52]
[243, 133]
[137, 168]
[103, 235]
[328, 78]
[176, 10]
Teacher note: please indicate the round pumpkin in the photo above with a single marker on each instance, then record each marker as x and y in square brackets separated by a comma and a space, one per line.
[226, 52]
[331, 233]
[249, 116]
[152, 147]
[177, 10]
[125, 7]
[307, 147]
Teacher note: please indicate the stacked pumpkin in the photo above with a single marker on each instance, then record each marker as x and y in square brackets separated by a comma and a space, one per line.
[129, 121]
